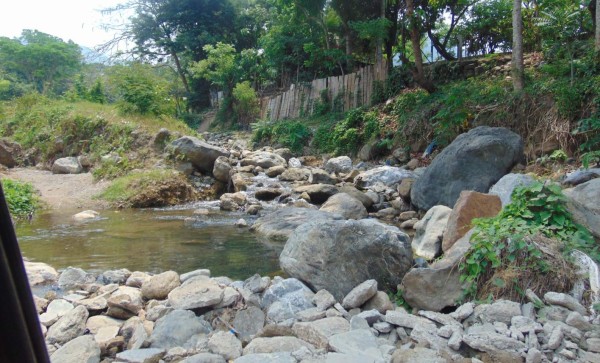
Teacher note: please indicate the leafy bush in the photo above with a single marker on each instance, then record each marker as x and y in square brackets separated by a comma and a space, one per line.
[504, 256]
[20, 197]
[291, 134]
[245, 105]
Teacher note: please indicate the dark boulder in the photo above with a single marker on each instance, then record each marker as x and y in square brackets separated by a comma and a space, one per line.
[474, 161]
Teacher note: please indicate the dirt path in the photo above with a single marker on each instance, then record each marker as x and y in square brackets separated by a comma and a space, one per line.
[62, 191]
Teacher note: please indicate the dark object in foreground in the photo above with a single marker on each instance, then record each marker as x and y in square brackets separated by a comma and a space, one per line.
[21, 338]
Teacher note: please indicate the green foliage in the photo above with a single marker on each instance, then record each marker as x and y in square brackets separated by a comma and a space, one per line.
[125, 188]
[398, 300]
[142, 90]
[53, 129]
[245, 106]
[500, 242]
[20, 197]
[41, 60]
[291, 134]
[348, 135]
[219, 67]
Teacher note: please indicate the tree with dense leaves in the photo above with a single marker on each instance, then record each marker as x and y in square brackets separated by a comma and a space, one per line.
[42, 60]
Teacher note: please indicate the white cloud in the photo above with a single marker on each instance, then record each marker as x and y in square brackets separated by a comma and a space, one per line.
[77, 20]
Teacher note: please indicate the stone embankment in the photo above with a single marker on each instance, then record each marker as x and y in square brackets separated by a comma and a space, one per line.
[120, 316]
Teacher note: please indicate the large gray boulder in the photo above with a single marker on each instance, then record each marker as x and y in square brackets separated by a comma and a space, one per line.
[69, 165]
[583, 202]
[285, 298]
[176, 328]
[341, 164]
[69, 327]
[437, 286]
[222, 169]
[474, 161]
[280, 224]
[318, 193]
[201, 154]
[346, 205]
[339, 255]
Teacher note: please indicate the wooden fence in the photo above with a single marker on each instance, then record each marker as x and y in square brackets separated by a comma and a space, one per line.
[347, 92]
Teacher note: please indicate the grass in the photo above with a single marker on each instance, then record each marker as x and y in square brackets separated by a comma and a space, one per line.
[20, 197]
[150, 188]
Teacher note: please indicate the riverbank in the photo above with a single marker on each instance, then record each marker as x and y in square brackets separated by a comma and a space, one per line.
[123, 316]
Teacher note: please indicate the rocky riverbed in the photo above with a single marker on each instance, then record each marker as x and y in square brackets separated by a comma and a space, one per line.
[120, 316]
[350, 234]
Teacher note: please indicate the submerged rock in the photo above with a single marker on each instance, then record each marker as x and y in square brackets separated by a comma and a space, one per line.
[280, 224]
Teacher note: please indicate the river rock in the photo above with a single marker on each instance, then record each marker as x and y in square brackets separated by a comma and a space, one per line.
[276, 344]
[201, 154]
[359, 343]
[339, 165]
[470, 205]
[473, 161]
[564, 300]
[275, 171]
[8, 151]
[267, 194]
[116, 276]
[96, 322]
[225, 344]
[583, 202]
[360, 294]
[222, 169]
[345, 205]
[70, 326]
[429, 232]
[507, 184]
[284, 299]
[73, 277]
[136, 279]
[387, 175]
[280, 224]
[69, 165]
[437, 286]
[279, 357]
[176, 328]
[39, 273]
[248, 322]
[318, 193]
[318, 332]
[418, 355]
[264, 159]
[147, 355]
[317, 252]
[79, 350]
[357, 194]
[380, 302]
[232, 201]
[125, 302]
[204, 358]
[320, 176]
[159, 286]
[295, 174]
[198, 292]
[86, 215]
[241, 181]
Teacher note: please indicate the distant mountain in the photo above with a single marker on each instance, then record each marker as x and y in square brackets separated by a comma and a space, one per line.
[91, 56]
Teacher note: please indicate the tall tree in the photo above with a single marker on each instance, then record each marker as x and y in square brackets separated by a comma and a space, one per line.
[40, 59]
[415, 40]
[517, 47]
[597, 26]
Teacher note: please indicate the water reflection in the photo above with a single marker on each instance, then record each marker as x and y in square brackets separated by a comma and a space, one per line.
[151, 240]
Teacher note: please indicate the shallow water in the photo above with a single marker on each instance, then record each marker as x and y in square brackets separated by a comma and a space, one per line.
[152, 240]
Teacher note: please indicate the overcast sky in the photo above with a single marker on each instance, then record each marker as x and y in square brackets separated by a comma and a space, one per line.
[77, 20]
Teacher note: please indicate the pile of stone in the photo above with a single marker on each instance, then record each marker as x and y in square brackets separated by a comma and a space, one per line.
[120, 316]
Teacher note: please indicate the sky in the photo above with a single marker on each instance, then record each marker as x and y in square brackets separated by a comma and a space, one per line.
[76, 20]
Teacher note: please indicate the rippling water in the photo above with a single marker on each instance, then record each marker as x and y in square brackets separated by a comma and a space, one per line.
[152, 240]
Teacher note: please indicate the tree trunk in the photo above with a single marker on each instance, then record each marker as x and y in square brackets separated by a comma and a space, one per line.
[435, 42]
[415, 39]
[180, 71]
[517, 51]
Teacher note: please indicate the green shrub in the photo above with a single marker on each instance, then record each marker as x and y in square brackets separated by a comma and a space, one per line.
[291, 134]
[20, 197]
[504, 253]
[245, 105]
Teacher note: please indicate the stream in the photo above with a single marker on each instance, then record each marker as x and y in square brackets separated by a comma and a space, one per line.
[150, 240]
